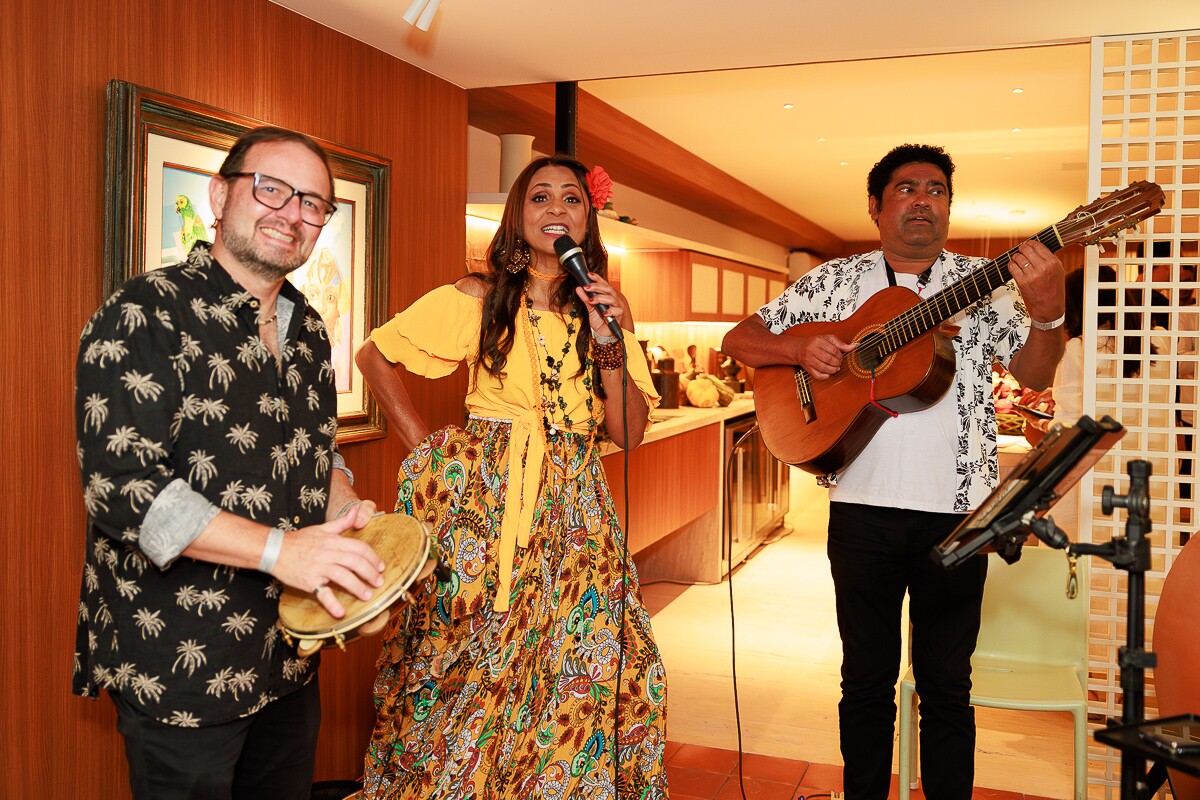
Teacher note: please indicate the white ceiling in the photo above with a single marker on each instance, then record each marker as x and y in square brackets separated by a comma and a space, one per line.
[859, 72]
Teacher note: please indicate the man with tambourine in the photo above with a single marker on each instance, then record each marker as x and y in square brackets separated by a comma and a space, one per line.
[206, 419]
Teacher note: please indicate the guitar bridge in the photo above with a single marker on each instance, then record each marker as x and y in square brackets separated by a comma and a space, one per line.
[804, 394]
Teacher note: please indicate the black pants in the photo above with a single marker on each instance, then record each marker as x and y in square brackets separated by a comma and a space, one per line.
[270, 754]
[876, 554]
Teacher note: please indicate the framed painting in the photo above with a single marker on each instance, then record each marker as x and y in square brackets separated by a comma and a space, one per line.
[162, 150]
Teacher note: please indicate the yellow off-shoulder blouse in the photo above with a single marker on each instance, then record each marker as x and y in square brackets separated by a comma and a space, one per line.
[440, 330]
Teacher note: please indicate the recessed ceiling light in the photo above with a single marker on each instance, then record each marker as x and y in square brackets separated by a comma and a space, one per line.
[821, 139]
[843, 163]
[788, 105]
[1016, 130]
[1018, 90]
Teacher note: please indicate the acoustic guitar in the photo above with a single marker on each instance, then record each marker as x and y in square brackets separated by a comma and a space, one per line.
[903, 360]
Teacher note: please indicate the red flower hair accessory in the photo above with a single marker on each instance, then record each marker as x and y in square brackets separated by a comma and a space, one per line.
[599, 187]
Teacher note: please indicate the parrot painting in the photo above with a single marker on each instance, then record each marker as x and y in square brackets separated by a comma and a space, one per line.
[193, 230]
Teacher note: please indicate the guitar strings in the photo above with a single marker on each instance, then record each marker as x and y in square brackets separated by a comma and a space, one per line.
[919, 319]
[949, 301]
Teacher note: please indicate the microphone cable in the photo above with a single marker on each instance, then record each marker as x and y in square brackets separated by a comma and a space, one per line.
[624, 585]
[570, 256]
[624, 580]
[737, 713]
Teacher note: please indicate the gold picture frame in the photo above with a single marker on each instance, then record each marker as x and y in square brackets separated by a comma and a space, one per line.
[161, 152]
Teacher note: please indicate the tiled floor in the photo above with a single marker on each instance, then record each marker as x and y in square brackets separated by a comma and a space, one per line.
[709, 773]
[788, 664]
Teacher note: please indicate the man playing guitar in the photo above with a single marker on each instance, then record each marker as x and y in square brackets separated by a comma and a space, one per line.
[921, 473]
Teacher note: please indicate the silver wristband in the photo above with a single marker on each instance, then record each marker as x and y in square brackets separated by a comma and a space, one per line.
[602, 338]
[270, 553]
[1048, 326]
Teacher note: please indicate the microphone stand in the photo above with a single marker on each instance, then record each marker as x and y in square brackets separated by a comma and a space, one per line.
[1130, 553]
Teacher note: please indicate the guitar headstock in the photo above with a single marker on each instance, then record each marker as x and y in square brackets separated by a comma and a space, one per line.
[1108, 215]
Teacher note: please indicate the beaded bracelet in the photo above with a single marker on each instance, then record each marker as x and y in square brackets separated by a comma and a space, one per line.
[609, 356]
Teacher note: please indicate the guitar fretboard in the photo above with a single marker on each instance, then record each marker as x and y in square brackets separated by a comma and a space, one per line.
[929, 313]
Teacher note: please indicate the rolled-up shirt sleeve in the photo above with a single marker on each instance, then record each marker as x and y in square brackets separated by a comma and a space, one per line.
[127, 395]
[176, 517]
[339, 463]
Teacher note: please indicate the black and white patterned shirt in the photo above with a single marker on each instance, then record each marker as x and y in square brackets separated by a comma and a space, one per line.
[182, 411]
[991, 330]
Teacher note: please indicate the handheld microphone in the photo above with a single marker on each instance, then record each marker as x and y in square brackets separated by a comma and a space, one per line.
[570, 255]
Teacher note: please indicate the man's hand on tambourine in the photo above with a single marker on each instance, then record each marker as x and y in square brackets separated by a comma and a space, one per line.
[312, 558]
[380, 621]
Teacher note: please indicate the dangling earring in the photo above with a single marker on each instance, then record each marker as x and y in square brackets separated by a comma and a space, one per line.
[518, 258]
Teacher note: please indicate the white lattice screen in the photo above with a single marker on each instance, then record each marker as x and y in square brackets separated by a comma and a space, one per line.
[1145, 125]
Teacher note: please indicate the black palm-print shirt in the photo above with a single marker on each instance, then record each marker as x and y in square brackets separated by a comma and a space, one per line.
[181, 411]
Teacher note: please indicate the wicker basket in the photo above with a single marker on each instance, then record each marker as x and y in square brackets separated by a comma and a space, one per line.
[1009, 424]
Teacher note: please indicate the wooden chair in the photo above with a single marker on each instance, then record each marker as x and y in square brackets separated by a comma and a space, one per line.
[1031, 654]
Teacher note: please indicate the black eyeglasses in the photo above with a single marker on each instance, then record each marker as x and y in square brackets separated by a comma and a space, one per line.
[274, 193]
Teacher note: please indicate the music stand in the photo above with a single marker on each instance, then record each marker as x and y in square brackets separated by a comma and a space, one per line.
[1020, 504]
[1019, 507]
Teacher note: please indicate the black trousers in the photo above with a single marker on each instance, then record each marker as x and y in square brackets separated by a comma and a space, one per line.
[268, 754]
[876, 555]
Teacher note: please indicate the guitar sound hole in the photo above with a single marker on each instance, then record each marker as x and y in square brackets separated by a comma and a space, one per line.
[867, 359]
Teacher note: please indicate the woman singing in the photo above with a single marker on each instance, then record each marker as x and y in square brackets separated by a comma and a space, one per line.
[532, 671]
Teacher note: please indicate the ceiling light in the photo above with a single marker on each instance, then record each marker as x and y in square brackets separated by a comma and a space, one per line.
[788, 105]
[843, 163]
[420, 13]
[1018, 90]
[1016, 130]
[821, 139]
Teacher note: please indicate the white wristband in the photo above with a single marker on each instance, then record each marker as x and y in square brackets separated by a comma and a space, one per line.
[270, 553]
[1048, 326]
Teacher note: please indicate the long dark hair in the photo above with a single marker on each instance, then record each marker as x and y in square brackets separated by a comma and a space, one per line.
[502, 299]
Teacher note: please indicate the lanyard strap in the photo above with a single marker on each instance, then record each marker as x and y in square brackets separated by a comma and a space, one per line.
[922, 279]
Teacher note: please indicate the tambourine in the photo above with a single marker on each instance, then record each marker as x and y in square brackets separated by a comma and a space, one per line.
[406, 547]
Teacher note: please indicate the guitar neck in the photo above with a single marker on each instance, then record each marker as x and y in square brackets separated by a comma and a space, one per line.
[978, 285]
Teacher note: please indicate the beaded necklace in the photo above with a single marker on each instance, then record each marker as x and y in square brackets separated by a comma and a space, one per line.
[549, 386]
[546, 276]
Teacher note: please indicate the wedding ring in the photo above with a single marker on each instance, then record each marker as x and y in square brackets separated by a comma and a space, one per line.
[319, 588]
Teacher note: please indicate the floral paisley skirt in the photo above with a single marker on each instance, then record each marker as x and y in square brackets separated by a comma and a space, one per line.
[474, 703]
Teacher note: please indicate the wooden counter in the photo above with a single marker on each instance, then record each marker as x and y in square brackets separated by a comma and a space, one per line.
[669, 422]
[675, 505]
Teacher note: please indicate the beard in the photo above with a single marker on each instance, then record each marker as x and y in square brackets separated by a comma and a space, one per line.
[256, 258]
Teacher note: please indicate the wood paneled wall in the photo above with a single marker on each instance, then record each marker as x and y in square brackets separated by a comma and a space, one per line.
[253, 58]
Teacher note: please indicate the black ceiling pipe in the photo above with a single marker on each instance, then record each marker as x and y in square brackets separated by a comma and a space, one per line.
[566, 97]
